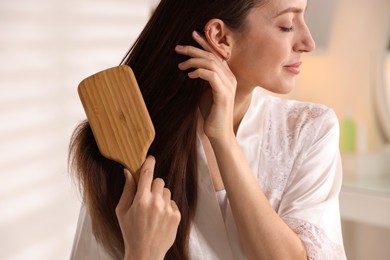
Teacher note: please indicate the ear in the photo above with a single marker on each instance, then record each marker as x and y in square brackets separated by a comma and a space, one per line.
[218, 35]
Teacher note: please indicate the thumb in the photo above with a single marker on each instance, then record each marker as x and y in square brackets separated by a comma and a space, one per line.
[129, 190]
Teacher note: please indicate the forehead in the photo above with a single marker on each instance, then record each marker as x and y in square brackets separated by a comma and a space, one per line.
[275, 8]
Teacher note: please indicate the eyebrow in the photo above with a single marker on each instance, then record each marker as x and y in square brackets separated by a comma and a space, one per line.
[296, 10]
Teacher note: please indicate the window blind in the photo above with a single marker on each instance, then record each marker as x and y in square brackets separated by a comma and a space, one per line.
[46, 48]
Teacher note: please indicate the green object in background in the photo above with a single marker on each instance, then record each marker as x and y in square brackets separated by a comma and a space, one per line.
[348, 135]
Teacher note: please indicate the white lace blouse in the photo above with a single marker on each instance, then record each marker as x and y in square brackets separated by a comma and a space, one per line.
[292, 148]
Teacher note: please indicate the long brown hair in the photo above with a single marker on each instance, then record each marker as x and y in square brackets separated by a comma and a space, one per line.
[172, 99]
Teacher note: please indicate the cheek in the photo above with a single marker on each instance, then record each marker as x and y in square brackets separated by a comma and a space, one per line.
[259, 62]
[253, 59]
[254, 73]
[268, 54]
[265, 65]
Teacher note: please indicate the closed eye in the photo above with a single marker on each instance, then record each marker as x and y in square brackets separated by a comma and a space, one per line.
[287, 29]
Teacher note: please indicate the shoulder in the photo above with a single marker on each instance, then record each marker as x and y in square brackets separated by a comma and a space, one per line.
[298, 117]
[302, 111]
[295, 123]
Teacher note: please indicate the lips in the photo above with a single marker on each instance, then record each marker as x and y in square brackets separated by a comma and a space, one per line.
[294, 68]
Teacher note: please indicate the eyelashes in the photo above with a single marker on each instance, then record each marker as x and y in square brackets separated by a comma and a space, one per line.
[287, 29]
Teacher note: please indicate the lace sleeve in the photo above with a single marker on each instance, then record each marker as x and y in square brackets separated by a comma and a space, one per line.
[309, 204]
[318, 245]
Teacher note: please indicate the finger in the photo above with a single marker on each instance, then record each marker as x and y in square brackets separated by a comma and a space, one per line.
[129, 190]
[167, 195]
[201, 63]
[176, 211]
[193, 52]
[175, 215]
[158, 186]
[203, 42]
[174, 206]
[208, 75]
[146, 175]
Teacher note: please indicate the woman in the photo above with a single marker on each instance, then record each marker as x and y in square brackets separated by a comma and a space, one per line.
[236, 172]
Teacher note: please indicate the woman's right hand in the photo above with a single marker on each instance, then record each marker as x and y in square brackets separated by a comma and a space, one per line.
[147, 216]
[217, 104]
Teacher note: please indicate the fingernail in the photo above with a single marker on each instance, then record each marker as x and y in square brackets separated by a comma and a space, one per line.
[179, 47]
[196, 34]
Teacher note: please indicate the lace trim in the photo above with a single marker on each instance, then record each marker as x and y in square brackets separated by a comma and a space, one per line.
[318, 245]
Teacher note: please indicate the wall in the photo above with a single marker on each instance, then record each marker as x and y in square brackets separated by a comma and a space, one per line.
[343, 76]
[47, 47]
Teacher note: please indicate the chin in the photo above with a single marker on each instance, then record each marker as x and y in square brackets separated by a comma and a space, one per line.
[284, 90]
[282, 85]
[280, 88]
[286, 86]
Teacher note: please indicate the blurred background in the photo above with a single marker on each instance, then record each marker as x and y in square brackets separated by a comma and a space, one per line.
[48, 46]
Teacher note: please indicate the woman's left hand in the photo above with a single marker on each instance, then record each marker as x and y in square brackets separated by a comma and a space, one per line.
[217, 104]
[147, 216]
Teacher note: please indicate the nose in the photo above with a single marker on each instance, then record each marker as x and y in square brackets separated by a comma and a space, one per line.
[305, 42]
